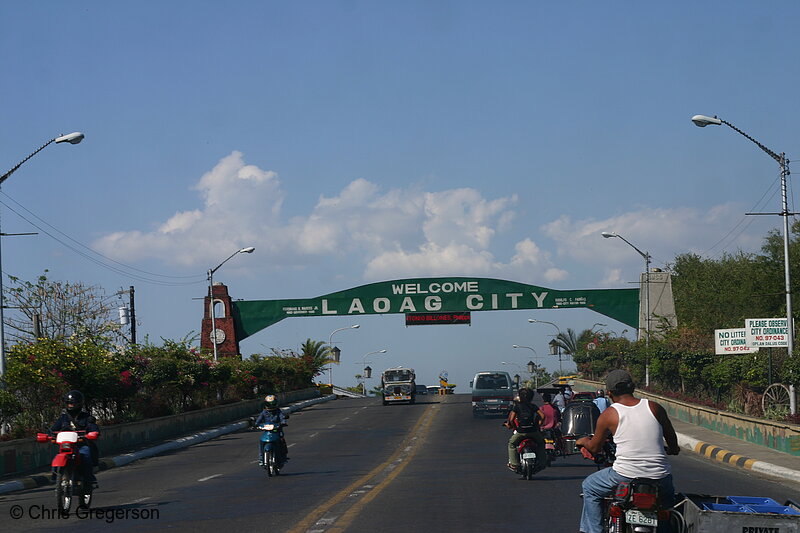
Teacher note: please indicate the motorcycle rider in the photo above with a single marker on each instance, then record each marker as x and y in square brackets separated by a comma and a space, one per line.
[74, 418]
[640, 428]
[601, 401]
[271, 414]
[524, 418]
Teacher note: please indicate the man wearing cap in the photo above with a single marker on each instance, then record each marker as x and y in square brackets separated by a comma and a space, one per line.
[640, 429]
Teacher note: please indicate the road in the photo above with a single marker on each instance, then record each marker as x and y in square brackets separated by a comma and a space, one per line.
[356, 466]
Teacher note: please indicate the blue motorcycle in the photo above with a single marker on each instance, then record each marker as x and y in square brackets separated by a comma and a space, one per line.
[273, 456]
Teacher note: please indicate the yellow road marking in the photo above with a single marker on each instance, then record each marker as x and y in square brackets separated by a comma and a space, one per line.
[347, 518]
[320, 511]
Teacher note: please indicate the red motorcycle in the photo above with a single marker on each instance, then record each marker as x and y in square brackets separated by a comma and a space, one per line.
[68, 465]
[635, 506]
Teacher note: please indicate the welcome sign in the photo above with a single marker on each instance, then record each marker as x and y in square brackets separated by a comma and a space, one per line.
[435, 295]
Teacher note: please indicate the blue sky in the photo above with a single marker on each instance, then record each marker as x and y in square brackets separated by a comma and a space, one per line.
[353, 142]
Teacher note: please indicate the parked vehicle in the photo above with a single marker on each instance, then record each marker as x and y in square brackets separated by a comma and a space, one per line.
[422, 389]
[492, 393]
[273, 458]
[433, 389]
[68, 468]
[398, 385]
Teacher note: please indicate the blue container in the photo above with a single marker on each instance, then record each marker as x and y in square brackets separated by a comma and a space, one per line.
[752, 500]
[729, 507]
[777, 509]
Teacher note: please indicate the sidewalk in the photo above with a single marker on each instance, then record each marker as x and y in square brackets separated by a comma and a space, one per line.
[37, 480]
[736, 452]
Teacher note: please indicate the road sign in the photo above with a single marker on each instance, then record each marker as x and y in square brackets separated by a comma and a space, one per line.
[730, 341]
[767, 332]
[420, 319]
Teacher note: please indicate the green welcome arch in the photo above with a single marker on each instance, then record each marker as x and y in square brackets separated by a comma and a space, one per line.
[423, 295]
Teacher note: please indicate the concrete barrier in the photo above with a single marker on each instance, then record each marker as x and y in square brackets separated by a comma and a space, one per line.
[26, 455]
[780, 436]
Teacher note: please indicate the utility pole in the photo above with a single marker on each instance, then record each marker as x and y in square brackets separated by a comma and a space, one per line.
[131, 313]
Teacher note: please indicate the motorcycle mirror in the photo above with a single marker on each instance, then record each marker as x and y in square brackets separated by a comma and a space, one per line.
[42, 437]
[92, 435]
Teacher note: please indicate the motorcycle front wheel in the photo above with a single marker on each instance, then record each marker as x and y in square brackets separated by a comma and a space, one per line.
[272, 463]
[65, 484]
[84, 494]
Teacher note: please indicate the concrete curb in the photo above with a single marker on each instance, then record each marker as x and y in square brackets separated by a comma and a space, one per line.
[31, 482]
[722, 455]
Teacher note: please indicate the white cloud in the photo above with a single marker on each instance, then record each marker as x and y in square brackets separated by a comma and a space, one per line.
[400, 232]
[663, 233]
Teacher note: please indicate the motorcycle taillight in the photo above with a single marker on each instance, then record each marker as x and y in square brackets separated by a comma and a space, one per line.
[614, 510]
[645, 500]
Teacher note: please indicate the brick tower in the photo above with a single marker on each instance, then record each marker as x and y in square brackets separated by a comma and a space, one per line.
[225, 337]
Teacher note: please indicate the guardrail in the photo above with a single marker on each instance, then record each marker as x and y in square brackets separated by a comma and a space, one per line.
[780, 436]
[26, 455]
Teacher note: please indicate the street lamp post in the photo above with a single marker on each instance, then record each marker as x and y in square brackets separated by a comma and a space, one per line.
[531, 364]
[703, 121]
[248, 250]
[647, 258]
[364, 369]
[330, 347]
[555, 347]
[71, 138]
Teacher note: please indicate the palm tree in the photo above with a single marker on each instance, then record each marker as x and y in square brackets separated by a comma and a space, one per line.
[317, 353]
[567, 341]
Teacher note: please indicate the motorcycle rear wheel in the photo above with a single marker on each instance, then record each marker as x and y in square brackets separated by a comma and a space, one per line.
[65, 485]
[527, 469]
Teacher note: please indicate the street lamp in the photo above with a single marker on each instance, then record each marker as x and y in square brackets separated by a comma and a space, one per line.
[330, 343]
[71, 138]
[248, 250]
[364, 374]
[531, 365]
[702, 121]
[647, 258]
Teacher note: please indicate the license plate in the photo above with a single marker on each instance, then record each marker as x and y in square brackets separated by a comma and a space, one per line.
[401, 397]
[529, 456]
[492, 401]
[641, 518]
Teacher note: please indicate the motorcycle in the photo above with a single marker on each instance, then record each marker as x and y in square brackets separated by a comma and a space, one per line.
[553, 445]
[273, 458]
[68, 468]
[527, 458]
[635, 507]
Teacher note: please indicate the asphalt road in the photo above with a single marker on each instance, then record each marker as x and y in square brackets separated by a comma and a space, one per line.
[356, 466]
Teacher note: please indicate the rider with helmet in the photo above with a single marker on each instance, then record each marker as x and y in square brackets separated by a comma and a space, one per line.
[74, 418]
[272, 415]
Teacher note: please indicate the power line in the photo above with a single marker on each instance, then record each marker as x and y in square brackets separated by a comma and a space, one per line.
[122, 268]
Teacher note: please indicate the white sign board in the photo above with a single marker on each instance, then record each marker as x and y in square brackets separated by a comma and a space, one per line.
[728, 341]
[767, 332]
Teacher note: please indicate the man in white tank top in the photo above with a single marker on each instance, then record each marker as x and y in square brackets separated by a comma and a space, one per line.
[640, 429]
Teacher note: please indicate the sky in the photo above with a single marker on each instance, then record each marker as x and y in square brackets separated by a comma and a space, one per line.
[354, 141]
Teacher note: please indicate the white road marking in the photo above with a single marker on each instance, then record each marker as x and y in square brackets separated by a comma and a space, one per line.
[209, 477]
[312, 435]
[292, 444]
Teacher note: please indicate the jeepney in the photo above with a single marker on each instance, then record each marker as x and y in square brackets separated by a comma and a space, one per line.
[398, 385]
